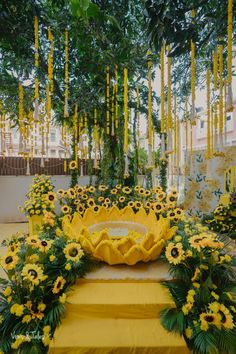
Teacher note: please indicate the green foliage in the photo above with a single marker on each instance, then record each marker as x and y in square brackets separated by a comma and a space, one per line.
[203, 288]
[171, 21]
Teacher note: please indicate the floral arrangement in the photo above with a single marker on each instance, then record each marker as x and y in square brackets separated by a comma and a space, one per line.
[203, 288]
[223, 218]
[81, 198]
[40, 271]
[40, 196]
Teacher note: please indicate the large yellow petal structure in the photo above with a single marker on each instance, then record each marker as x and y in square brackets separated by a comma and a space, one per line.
[120, 236]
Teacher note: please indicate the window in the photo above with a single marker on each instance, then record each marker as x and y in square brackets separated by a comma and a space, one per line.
[53, 153]
[228, 118]
[202, 124]
[53, 137]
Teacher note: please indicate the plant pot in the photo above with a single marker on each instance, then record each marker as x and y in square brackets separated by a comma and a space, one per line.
[35, 224]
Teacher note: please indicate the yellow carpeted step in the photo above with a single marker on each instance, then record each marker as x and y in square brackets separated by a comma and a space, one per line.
[118, 300]
[117, 336]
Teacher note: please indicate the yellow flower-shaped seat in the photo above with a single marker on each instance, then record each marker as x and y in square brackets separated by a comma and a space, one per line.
[141, 237]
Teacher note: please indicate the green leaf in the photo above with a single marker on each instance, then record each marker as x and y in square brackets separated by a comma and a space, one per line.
[173, 320]
[84, 4]
[93, 11]
[113, 21]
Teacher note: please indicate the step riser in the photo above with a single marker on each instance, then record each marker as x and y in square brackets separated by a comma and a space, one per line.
[117, 311]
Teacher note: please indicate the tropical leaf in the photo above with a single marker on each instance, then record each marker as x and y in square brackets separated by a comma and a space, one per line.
[173, 320]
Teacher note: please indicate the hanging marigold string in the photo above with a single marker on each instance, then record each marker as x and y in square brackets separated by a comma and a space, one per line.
[193, 70]
[116, 98]
[108, 99]
[221, 115]
[36, 64]
[162, 100]
[75, 126]
[208, 83]
[186, 125]
[169, 108]
[138, 122]
[96, 139]
[21, 118]
[66, 112]
[126, 113]
[215, 114]
[150, 130]
[113, 111]
[230, 37]
[50, 60]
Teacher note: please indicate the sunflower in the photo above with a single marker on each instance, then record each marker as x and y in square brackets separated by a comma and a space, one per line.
[58, 285]
[197, 241]
[173, 191]
[158, 207]
[114, 191]
[101, 199]
[141, 191]
[102, 188]
[107, 200]
[73, 165]
[131, 204]
[79, 189]
[115, 202]
[118, 186]
[126, 190]
[91, 202]
[71, 193]
[226, 317]
[147, 193]
[73, 252]
[174, 253]
[148, 205]
[171, 199]
[138, 204]
[136, 188]
[91, 189]
[80, 208]
[61, 193]
[209, 319]
[65, 209]
[76, 201]
[105, 205]
[161, 196]
[96, 208]
[51, 197]
[45, 245]
[33, 273]
[121, 199]
[9, 261]
[33, 241]
[157, 190]
[179, 212]
[84, 196]
[171, 214]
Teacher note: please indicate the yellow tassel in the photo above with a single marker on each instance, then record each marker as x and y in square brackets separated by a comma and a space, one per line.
[208, 79]
[116, 99]
[169, 114]
[108, 100]
[186, 125]
[65, 166]
[138, 122]
[193, 71]
[50, 60]
[66, 113]
[221, 116]
[162, 91]
[126, 111]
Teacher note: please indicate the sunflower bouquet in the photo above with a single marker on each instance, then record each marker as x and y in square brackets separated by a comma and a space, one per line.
[40, 196]
[223, 218]
[81, 198]
[203, 288]
[39, 273]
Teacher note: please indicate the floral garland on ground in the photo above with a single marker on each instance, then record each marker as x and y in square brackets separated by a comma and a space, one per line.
[40, 271]
[203, 288]
[223, 218]
[81, 198]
